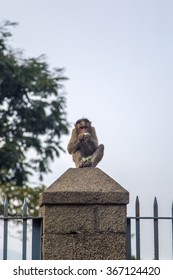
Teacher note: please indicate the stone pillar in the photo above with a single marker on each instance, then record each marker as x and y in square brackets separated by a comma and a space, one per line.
[84, 217]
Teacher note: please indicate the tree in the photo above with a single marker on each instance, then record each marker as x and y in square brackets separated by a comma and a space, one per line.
[32, 114]
[16, 196]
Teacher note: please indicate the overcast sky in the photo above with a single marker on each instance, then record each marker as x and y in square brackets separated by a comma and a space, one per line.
[118, 55]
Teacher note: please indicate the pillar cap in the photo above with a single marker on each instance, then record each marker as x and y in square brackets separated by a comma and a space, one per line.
[84, 186]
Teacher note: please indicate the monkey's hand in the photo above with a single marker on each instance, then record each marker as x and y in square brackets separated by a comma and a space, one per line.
[81, 137]
[86, 136]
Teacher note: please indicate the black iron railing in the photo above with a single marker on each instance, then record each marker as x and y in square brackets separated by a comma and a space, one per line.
[36, 232]
[155, 218]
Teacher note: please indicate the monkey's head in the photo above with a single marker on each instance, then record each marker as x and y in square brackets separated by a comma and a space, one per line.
[83, 126]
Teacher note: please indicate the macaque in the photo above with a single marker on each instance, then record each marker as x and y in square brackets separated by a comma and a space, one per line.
[84, 146]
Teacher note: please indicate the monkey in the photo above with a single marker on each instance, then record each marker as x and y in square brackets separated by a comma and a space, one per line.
[83, 145]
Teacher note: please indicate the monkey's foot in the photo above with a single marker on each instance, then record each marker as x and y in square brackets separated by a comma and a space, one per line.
[85, 162]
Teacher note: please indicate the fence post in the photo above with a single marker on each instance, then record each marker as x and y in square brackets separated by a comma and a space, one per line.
[172, 228]
[24, 239]
[5, 241]
[129, 249]
[156, 230]
[36, 238]
[138, 235]
[84, 216]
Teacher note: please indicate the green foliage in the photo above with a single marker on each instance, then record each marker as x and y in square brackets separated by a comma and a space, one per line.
[16, 196]
[32, 114]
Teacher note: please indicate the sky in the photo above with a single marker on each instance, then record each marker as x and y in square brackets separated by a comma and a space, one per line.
[118, 57]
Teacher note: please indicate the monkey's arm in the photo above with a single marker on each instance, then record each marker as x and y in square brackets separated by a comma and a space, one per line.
[93, 139]
[74, 143]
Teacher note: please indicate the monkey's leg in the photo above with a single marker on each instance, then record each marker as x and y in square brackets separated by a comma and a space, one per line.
[97, 155]
[77, 157]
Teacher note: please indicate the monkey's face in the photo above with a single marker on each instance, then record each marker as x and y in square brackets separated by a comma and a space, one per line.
[83, 127]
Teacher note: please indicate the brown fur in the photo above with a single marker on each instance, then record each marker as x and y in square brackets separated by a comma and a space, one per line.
[84, 143]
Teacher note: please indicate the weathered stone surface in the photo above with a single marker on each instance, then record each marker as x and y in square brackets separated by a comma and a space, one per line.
[84, 247]
[84, 217]
[84, 186]
[111, 218]
[100, 247]
[69, 218]
[57, 247]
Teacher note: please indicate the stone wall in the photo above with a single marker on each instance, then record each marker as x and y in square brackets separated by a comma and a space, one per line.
[84, 217]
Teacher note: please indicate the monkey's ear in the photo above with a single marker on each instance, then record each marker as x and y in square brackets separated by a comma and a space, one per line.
[76, 125]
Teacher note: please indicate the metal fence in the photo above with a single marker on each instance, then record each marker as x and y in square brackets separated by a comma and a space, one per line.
[37, 228]
[138, 219]
[36, 232]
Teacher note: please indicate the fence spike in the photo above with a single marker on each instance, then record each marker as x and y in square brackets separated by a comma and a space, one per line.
[6, 207]
[156, 230]
[137, 207]
[25, 208]
[155, 207]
